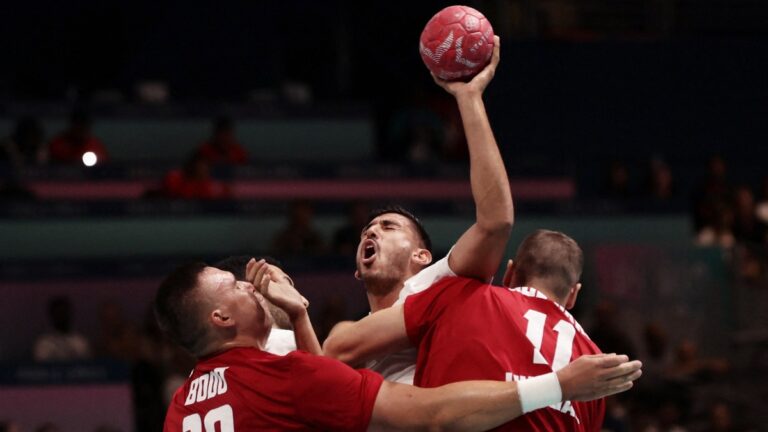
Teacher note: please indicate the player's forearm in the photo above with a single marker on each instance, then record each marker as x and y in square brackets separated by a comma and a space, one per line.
[472, 406]
[376, 335]
[462, 406]
[342, 341]
[306, 339]
[488, 177]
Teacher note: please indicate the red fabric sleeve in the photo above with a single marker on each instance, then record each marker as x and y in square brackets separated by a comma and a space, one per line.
[330, 395]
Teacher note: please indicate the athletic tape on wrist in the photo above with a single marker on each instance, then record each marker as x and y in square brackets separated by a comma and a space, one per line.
[539, 392]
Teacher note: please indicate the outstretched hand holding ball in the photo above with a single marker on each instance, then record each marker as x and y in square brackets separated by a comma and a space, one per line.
[457, 43]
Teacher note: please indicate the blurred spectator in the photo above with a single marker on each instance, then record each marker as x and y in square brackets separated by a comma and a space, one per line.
[607, 330]
[25, 146]
[149, 374]
[718, 230]
[69, 146]
[720, 418]
[334, 311]
[346, 238]
[61, 343]
[618, 181]
[12, 190]
[118, 339]
[660, 185]
[761, 209]
[222, 147]
[415, 131]
[299, 237]
[48, 427]
[712, 196]
[193, 181]
[689, 367]
[747, 227]
[9, 426]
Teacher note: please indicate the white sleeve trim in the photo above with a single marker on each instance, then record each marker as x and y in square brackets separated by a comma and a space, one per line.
[426, 278]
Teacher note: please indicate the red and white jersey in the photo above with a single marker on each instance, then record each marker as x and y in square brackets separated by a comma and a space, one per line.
[468, 330]
[246, 389]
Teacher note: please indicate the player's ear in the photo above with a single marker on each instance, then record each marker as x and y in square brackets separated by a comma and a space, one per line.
[357, 275]
[509, 274]
[422, 257]
[221, 319]
[573, 293]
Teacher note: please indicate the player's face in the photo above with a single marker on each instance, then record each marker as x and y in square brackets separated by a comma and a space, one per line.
[237, 299]
[387, 245]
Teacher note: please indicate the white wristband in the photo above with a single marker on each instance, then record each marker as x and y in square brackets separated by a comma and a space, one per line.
[539, 392]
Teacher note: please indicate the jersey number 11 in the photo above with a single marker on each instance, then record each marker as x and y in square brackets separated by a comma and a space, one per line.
[564, 346]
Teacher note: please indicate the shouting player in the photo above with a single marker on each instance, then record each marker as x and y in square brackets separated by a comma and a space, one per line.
[236, 386]
[467, 330]
[394, 254]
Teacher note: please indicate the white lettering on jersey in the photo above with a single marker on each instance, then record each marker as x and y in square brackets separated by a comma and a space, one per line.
[533, 292]
[564, 407]
[207, 386]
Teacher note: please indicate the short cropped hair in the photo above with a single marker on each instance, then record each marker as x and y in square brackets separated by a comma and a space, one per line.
[178, 310]
[425, 240]
[550, 255]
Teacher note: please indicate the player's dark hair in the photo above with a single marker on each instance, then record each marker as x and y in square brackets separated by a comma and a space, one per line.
[178, 310]
[426, 241]
[550, 255]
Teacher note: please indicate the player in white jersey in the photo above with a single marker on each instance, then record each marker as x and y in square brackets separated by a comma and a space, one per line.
[394, 255]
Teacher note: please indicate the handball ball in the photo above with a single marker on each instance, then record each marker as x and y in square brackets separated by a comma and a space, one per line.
[456, 43]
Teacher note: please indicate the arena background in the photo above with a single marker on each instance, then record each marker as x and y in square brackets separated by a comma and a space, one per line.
[637, 127]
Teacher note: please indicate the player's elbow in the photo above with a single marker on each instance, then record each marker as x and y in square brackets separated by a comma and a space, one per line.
[335, 347]
[498, 227]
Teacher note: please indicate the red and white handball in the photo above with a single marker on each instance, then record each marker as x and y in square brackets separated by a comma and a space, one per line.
[456, 43]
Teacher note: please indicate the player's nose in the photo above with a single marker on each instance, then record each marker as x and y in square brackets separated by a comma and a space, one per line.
[370, 233]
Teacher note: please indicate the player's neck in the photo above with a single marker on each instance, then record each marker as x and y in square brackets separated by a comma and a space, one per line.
[244, 341]
[542, 286]
[381, 299]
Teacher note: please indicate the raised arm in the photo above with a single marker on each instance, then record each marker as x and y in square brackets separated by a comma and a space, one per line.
[482, 405]
[376, 335]
[276, 287]
[479, 250]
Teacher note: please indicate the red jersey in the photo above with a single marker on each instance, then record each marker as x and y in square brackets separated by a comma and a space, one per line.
[63, 148]
[468, 330]
[231, 152]
[246, 389]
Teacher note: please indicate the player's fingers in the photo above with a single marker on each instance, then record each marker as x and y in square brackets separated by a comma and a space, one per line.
[496, 56]
[623, 369]
[616, 390]
[622, 380]
[437, 80]
[612, 360]
[261, 273]
[250, 269]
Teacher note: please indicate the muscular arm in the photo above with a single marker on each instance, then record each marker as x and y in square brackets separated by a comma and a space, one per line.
[479, 250]
[376, 335]
[482, 405]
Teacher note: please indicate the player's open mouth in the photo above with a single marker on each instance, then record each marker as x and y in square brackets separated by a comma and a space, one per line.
[369, 251]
